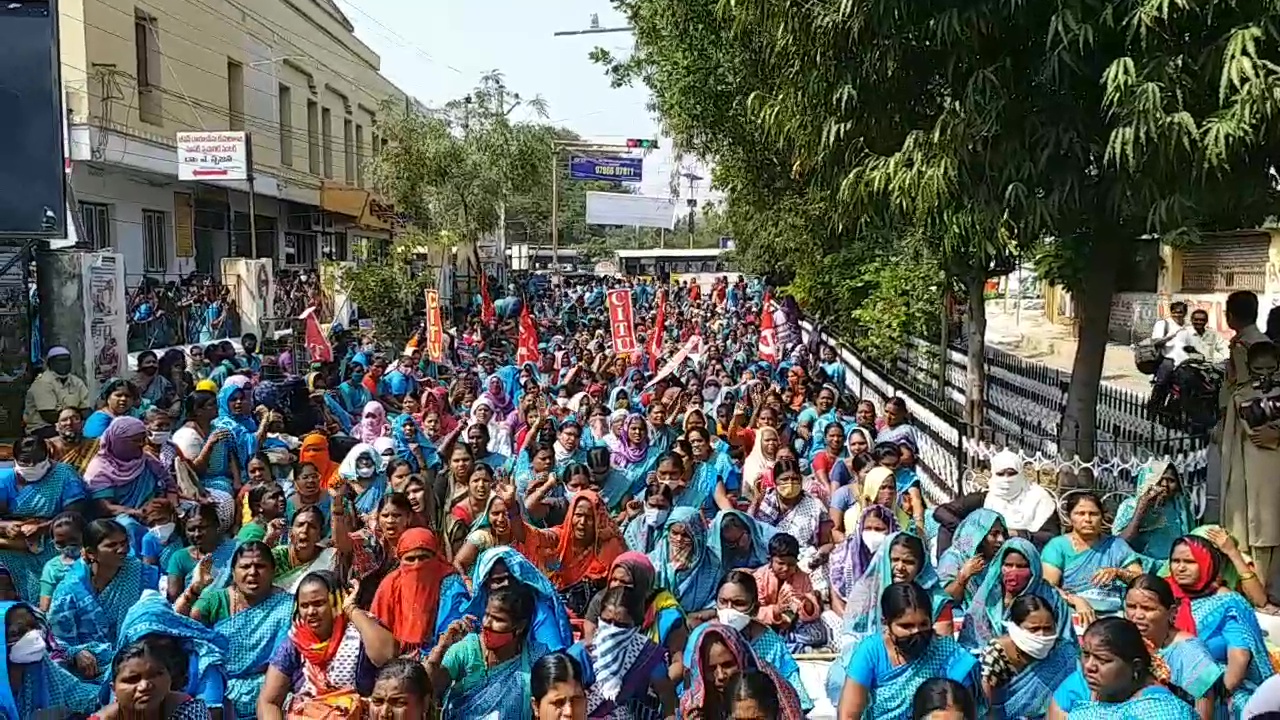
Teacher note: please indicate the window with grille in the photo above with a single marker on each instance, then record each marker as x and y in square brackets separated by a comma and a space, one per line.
[96, 219]
[155, 241]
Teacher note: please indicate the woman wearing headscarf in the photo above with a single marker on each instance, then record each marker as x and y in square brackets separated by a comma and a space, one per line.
[498, 568]
[1028, 510]
[118, 398]
[235, 416]
[497, 397]
[851, 557]
[757, 469]
[1223, 619]
[437, 400]
[1016, 570]
[361, 471]
[739, 541]
[315, 451]
[483, 413]
[965, 565]
[664, 620]
[373, 423]
[1158, 514]
[686, 566]
[412, 445]
[328, 409]
[122, 479]
[352, 393]
[705, 693]
[634, 456]
[153, 618]
[408, 598]
[589, 542]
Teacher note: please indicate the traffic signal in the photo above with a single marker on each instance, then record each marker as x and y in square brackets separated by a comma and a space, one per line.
[642, 144]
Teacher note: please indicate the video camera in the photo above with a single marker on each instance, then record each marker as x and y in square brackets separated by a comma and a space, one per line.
[1265, 408]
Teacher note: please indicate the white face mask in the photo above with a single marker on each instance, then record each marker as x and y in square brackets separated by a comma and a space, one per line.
[873, 539]
[163, 532]
[653, 517]
[29, 648]
[159, 437]
[1006, 487]
[365, 472]
[1037, 646]
[33, 473]
[735, 619]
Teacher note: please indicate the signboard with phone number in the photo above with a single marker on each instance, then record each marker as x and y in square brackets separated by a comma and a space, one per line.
[610, 169]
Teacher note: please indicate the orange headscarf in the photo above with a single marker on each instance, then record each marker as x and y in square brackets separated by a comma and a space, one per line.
[576, 566]
[315, 450]
[409, 597]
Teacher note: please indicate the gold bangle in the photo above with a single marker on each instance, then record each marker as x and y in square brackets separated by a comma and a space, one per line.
[1249, 576]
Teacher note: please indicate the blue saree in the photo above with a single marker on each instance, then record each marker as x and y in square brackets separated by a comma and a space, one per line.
[754, 556]
[46, 686]
[693, 584]
[964, 545]
[550, 628]
[353, 396]
[504, 691]
[1226, 621]
[1154, 703]
[1030, 692]
[987, 613]
[243, 428]
[83, 619]
[251, 636]
[1079, 568]
[1161, 525]
[135, 494]
[640, 536]
[154, 616]
[56, 491]
[700, 492]
[891, 689]
[771, 648]
[401, 442]
[1192, 668]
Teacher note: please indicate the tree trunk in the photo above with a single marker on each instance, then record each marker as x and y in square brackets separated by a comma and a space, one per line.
[976, 362]
[1078, 432]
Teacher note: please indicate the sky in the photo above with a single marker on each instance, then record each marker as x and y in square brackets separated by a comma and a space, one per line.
[437, 50]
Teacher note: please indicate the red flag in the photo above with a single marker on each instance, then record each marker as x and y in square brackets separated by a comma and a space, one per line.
[318, 347]
[527, 345]
[768, 349]
[655, 338]
[487, 313]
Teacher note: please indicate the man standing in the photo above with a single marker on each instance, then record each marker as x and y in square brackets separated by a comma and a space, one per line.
[53, 391]
[1162, 337]
[1250, 456]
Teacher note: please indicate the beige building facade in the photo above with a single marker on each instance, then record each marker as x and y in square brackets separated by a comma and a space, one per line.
[291, 73]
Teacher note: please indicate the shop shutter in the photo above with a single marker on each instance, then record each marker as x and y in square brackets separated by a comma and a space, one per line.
[1226, 263]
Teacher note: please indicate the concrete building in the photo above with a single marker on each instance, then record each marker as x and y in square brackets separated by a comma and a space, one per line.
[289, 72]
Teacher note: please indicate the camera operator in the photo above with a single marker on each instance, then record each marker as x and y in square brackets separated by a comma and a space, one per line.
[1250, 440]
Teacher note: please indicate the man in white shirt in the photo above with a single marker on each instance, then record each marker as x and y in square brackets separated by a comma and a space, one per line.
[1162, 336]
[1208, 343]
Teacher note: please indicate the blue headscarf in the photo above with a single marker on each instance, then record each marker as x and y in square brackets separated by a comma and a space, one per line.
[402, 443]
[986, 615]
[694, 585]
[760, 534]
[550, 625]
[243, 428]
[154, 616]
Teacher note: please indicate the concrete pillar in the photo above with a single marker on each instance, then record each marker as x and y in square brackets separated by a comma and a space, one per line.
[63, 311]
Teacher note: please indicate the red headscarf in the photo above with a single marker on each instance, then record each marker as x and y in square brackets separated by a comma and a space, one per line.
[596, 564]
[315, 450]
[408, 598]
[317, 653]
[1210, 563]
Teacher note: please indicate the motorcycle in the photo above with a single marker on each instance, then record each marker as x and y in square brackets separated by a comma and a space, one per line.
[1191, 403]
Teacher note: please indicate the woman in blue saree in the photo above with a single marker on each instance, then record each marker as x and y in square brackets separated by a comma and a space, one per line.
[1158, 514]
[32, 493]
[686, 566]
[122, 479]
[482, 672]
[1022, 668]
[251, 616]
[1087, 563]
[206, 650]
[705, 692]
[643, 528]
[815, 418]
[964, 565]
[352, 394]
[1222, 618]
[206, 543]
[316, 385]
[706, 489]
[89, 605]
[635, 457]
[1151, 606]
[500, 567]
[45, 686]
[412, 444]
[116, 399]
[1016, 571]
[886, 668]
[739, 541]
[737, 605]
[235, 417]
[361, 472]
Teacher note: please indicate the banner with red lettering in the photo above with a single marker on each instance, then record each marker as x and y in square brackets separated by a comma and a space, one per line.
[692, 347]
[435, 327]
[768, 350]
[621, 322]
[527, 344]
[659, 327]
[318, 347]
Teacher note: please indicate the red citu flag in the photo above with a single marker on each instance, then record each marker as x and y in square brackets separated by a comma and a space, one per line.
[527, 344]
[318, 347]
[487, 313]
[768, 349]
[655, 337]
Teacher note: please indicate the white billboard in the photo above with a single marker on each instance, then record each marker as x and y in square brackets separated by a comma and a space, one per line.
[221, 155]
[630, 210]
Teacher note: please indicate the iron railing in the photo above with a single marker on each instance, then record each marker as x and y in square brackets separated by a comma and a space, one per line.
[168, 310]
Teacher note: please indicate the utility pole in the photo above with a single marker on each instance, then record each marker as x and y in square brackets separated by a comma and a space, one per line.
[557, 146]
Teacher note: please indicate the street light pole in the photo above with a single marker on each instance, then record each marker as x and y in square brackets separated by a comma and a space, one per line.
[556, 147]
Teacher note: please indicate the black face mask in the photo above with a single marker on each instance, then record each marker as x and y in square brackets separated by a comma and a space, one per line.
[913, 646]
